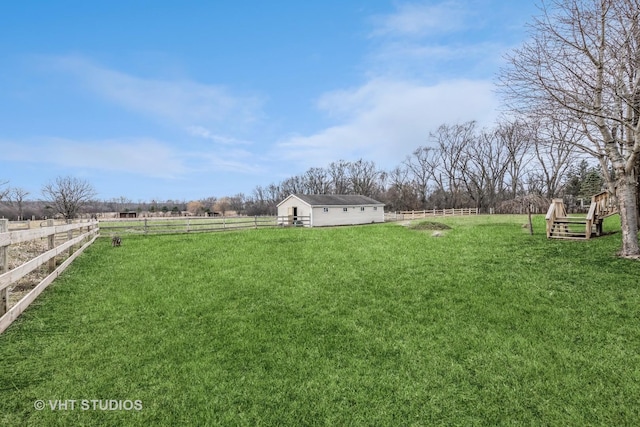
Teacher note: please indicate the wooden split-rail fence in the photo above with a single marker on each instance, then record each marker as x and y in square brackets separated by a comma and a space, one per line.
[178, 225]
[62, 241]
[407, 215]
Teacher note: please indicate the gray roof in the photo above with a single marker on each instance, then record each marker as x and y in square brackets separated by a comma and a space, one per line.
[337, 200]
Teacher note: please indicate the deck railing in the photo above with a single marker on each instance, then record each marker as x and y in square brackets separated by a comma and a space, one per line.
[556, 210]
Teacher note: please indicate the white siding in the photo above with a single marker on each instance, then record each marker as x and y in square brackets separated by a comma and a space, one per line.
[289, 203]
[354, 215]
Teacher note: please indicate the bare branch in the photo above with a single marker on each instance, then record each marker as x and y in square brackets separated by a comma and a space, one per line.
[68, 195]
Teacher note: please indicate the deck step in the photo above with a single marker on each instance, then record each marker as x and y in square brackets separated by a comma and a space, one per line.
[568, 228]
[582, 237]
[570, 221]
[568, 233]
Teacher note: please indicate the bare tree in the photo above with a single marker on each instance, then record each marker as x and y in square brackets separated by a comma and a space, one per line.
[237, 202]
[318, 181]
[293, 185]
[222, 205]
[402, 193]
[555, 152]
[4, 191]
[451, 141]
[484, 165]
[195, 207]
[421, 166]
[16, 198]
[514, 136]
[363, 176]
[582, 66]
[339, 174]
[68, 195]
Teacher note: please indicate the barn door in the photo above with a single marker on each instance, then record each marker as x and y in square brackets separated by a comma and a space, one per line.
[292, 212]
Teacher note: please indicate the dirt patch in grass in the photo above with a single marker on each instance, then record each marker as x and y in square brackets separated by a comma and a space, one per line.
[429, 225]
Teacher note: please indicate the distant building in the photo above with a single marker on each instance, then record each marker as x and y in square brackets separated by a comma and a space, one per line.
[128, 214]
[321, 210]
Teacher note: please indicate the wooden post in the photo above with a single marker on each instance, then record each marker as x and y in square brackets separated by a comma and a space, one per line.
[146, 226]
[4, 267]
[52, 244]
[70, 236]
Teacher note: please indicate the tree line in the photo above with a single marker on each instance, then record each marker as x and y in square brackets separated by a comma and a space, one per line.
[461, 166]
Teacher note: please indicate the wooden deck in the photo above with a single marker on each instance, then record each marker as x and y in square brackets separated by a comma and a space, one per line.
[562, 226]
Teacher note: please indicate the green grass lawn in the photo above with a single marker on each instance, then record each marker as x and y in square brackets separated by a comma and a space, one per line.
[374, 325]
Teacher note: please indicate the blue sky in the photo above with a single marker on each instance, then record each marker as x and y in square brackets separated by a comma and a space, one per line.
[190, 99]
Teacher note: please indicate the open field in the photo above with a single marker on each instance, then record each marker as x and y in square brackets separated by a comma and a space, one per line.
[370, 325]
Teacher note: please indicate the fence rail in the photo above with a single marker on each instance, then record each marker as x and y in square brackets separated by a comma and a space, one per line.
[126, 226]
[182, 224]
[293, 221]
[406, 215]
[19, 225]
[71, 235]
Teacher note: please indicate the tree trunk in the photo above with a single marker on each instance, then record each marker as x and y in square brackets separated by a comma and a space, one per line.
[626, 193]
[637, 172]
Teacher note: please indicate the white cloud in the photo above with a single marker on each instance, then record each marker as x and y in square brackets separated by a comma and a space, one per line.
[137, 156]
[202, 132]
[183, 102]
[420, 19]
[142, 156]
[385, 120]
[416, 82]
[235, 161]
[437, 53]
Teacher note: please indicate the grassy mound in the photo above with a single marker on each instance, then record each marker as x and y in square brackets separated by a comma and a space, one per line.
[429, 225]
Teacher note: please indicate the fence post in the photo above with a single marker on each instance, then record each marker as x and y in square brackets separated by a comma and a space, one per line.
[255, 220]
[52, 244]
[146, 229]
[70, 236]
[4, 267]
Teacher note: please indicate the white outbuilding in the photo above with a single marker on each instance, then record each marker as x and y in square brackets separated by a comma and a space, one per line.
[320, 210]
